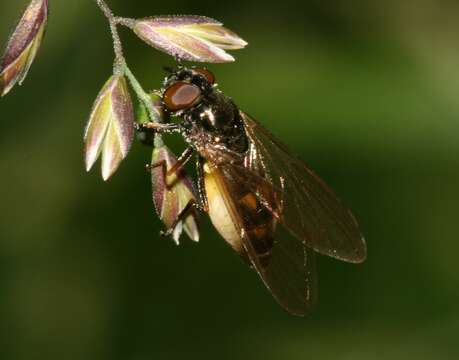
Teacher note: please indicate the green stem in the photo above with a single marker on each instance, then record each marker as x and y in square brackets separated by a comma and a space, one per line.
[153, 113]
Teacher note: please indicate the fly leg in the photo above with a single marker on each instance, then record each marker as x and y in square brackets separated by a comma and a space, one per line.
[157, 127]
[191, 208]
[146, 131]
[181, 161]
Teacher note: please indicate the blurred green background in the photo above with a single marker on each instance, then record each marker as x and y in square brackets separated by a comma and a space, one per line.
[367, 92]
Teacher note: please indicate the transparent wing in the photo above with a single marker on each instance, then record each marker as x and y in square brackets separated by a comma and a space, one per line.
[306, 215]
[304, 204]
[289, 272]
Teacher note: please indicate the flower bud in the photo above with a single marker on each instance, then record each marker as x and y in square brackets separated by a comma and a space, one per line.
[193, 38]
[172, 195]
[23, 45]
[110, 128]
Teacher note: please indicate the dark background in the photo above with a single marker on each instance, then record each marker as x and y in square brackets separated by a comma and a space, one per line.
[367, 92]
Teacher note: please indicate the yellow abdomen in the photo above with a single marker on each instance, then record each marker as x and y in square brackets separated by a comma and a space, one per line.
[219, 212]
[256, 220]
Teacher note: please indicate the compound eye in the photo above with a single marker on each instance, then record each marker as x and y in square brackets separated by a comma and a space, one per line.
[206, 73]
[181, 95]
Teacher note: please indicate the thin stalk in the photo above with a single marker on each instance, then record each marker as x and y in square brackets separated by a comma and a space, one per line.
[120, 66]
[125, 22]
[142, 95]
[120, 62]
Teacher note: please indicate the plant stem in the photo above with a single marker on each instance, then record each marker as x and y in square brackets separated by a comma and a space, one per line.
[120, 66]
[154, 115]
[125, 22]
[120, 62]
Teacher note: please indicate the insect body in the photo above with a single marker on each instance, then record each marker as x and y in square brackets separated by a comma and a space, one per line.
[268, 205]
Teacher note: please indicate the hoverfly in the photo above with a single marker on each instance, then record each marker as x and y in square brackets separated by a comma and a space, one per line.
[252, 187]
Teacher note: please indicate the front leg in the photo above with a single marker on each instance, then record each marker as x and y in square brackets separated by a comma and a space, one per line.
[146, 131]
[157, 127]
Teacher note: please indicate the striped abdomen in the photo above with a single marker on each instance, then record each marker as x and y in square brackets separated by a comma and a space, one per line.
[233, 211]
